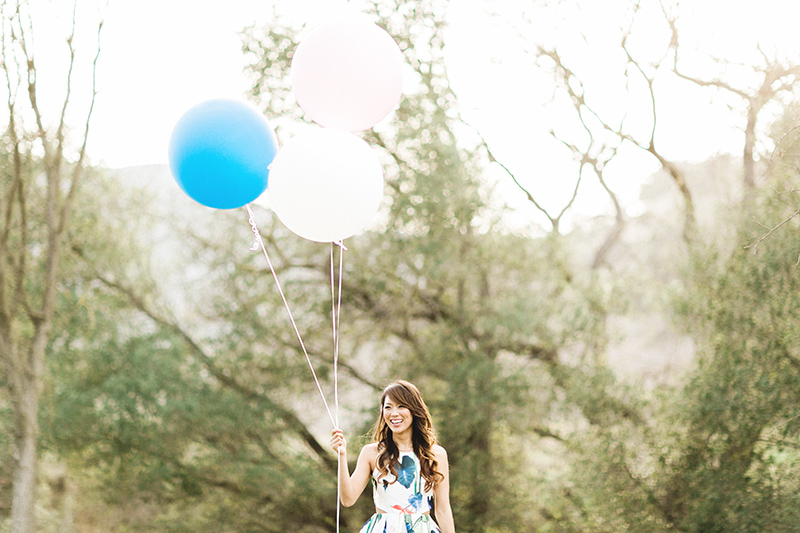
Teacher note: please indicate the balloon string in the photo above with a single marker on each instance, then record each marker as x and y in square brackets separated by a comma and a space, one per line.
[336, 303]
[259, 243]
[338, 490]
[334, 329]
[336, 310]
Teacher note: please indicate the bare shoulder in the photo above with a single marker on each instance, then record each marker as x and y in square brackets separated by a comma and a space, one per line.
[370, 453]
[439, 452]
[370, 450]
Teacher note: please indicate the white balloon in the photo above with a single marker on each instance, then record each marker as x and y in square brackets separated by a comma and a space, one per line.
[325, 185]
[347, 74]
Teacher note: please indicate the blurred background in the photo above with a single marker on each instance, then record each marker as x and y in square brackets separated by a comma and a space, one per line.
[586, 259]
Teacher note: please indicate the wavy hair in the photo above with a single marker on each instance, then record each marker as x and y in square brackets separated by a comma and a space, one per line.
[423, 437]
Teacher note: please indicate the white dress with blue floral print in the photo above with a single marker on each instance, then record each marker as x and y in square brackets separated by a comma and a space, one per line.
[403, 498]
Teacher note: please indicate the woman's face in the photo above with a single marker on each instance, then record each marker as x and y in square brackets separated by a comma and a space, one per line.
[397, 417]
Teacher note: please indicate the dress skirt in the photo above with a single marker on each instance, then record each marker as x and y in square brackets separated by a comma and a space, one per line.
[400, 523]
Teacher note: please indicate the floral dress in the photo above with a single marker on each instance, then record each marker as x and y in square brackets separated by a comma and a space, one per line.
[404, 499]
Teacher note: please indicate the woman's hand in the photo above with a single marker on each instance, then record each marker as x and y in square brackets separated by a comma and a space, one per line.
[338, 442]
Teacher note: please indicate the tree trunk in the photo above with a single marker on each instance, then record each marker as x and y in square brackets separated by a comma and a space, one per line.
[25, 380]
[749, 144]
[481, 452]
[25, 397]
[32, 308]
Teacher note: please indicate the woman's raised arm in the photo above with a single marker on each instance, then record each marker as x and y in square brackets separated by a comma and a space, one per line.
[353, 486]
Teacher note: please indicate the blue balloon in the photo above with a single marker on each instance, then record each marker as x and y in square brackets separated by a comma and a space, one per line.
[220, 152]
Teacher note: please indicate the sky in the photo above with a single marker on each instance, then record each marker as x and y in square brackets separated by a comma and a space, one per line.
[161, 57]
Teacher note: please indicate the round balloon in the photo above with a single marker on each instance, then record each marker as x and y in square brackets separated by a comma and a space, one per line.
[220, 152]
[347, 74]
[326, 185]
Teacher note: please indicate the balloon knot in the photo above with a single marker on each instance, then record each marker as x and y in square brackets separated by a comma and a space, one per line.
[258, 243]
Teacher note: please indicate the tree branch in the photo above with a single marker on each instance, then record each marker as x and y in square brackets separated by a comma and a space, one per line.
[754, 245]
[78, 168]
[291, 419]
[772, 72]
[492, 159]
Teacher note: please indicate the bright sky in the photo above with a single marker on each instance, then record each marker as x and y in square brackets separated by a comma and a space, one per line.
[160, 57]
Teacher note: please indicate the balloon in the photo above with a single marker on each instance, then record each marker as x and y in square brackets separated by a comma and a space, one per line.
[220, 152]
[325, 185]
[347, 74]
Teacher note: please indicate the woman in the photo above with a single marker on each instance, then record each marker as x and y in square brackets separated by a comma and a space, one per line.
[408, 470]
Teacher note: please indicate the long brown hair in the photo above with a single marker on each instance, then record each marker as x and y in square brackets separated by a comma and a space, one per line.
[423, 435]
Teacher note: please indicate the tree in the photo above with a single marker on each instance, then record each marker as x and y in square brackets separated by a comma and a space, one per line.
[442, 295]
[775, 77]
[196, 375]
[644, 477]
[41, 178]
[782, 163]
[739, 456]
[196, 411]
[208, 410]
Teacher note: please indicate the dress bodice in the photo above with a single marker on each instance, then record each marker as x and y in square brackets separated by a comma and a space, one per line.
[402, 491]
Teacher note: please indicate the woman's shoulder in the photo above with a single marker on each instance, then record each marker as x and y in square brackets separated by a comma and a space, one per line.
[439, 452]
[369, 453]
[370, 450]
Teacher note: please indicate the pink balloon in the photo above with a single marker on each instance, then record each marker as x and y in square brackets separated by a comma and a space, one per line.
[347, 74]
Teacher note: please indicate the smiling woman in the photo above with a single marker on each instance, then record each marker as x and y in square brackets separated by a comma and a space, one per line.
[408, 470]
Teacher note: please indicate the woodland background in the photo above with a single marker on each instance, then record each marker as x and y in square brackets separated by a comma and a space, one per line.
[634, 370]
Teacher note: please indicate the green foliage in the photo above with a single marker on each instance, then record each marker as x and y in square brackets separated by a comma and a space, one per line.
[190, 422]
[211, 414]
[720, 451]
[180, 398]
[741, 402]
[440, 297]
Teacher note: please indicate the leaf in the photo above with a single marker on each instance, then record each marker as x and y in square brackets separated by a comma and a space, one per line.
[414, 501]
[407, 471]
